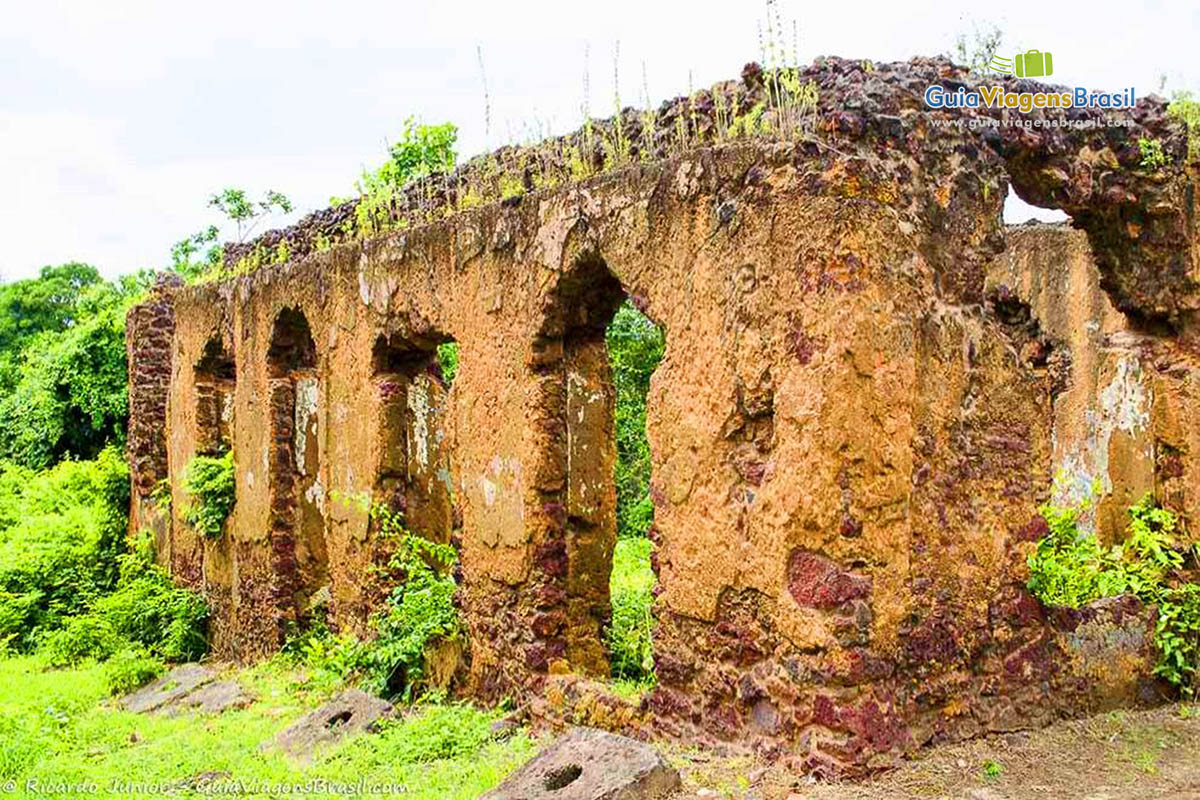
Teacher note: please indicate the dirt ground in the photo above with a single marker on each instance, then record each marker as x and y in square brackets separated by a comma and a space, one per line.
[1119, 756]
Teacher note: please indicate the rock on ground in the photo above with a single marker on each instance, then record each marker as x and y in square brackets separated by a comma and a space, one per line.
[211, 698]
[176, 684]
[588, 764]
[351, 712]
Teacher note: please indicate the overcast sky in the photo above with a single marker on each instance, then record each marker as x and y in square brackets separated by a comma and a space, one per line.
[118, 118]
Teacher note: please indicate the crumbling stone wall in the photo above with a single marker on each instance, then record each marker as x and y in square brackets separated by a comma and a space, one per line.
[1124, 391]
[860, 407]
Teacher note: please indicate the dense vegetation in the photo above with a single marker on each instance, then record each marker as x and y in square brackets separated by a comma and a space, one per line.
[62, 364]
[1070, 568]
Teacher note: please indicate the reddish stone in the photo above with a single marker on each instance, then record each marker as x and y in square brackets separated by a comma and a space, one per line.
[817, 582]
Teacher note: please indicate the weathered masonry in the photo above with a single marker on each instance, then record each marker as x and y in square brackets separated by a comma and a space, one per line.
[868, 388]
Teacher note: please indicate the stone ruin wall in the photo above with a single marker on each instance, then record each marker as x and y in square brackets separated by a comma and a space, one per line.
[868, 387]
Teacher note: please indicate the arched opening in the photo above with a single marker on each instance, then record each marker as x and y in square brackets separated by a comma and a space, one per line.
[578, 397]
[215, 378]
[412, 378]
[297, 494]
[635, 348]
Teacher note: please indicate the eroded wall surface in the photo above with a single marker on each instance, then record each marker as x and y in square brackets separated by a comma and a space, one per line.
[861, 405]
[1125, 392]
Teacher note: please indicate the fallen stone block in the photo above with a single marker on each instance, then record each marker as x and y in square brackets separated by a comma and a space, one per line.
[211, 698]
[589, 764]
[178, 683]
[350, 713]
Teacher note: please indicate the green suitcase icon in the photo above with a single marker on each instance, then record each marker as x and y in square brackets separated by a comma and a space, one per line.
[1034, 64]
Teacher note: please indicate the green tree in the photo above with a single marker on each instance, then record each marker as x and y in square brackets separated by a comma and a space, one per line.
[205, 244]
[236, 205]
[30, 307]
[422, 150]
[69, 396]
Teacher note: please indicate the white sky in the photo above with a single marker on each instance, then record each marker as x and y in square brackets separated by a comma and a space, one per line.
[118, 118]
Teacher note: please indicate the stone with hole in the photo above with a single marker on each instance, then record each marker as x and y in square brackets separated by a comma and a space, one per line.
[176, 684]
[588, 764]
[350, 713]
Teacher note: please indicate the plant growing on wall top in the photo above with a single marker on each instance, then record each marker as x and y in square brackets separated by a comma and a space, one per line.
[236, 205]
[211, 483]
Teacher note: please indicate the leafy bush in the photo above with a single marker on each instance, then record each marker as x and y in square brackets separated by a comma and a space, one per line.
[635, 348]
[421, 151]
[61, 531]
[131, 669]
[1070, 568]
[419, 613]
[145, 610]
[81, 637]
[212, 484]
[629, 633]
[149, 610]
[1153, 155]
[447, 357]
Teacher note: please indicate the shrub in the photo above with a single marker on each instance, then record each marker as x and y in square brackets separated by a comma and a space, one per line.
[629, 632]
[131, 669]
[148, 609]
[81, 638]
[1185, 108]
[447, 357]
[60, 533]
[1153, 155]
[212, 485]
[1070, 568]
[420, 611]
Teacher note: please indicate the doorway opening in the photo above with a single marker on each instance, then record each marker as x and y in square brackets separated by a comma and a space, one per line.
[635, 348]
[412, 380]
[297, 493]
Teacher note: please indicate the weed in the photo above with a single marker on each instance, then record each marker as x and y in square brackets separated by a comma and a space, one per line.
[629, 634]
[991, 770]
[1153, 156]
[212, 485]
[1185, 108]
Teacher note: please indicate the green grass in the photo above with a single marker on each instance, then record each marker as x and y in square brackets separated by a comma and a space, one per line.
[629, 635]
[57, 726]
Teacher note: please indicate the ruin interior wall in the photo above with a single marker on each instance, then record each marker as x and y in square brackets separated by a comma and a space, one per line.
[867, 389]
